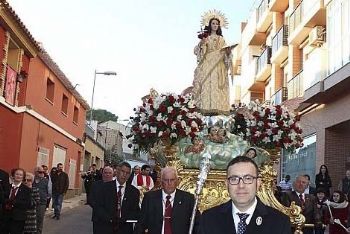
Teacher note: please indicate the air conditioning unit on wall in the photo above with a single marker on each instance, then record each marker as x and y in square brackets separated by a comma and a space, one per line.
[317, 36]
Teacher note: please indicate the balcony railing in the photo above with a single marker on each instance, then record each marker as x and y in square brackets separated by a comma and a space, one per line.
[300, 12]
[296, 86]
[280, 39]
[280, 96]
[264, 5]
[264, 59]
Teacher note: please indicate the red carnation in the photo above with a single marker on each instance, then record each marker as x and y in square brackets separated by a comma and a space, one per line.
[171, 99]
[150, 101]
[162, 108]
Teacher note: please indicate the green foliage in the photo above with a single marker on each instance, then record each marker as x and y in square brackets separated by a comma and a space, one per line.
[112, 158]
[101, 115]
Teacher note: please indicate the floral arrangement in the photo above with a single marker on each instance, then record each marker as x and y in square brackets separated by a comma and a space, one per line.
[166, 117]
[267, 126]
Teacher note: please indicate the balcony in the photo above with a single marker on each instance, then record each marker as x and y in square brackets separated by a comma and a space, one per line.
[296, 86]
[250, 36]
[278, 5]
[263, 67]
[305, 16]
[280, 96]
[264, 16]
[280, 45]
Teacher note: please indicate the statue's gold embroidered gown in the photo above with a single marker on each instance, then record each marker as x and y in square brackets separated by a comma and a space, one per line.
[211, 84]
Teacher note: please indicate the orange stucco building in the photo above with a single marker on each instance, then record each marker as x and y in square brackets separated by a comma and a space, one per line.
[42, 116]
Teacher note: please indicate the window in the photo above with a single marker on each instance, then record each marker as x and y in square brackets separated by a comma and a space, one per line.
[64, 107]
[338, 34]
[76, 115]
[14, 55]
[50, 90]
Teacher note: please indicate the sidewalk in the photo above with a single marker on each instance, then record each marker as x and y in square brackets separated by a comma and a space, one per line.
[69, 204]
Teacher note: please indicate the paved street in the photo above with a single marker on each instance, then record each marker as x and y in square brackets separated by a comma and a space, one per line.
[73, 221]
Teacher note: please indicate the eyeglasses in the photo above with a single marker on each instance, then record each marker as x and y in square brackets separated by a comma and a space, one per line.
[247, 179]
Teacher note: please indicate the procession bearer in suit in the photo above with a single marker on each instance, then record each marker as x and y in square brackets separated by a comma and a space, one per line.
[116, 203]
[167, 210]
[244, 213]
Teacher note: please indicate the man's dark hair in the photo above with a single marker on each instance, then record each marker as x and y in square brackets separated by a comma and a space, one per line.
[125, 164]
[287, 177]
[59, 164]
[144, 167]
[242, 159]
[307, 176]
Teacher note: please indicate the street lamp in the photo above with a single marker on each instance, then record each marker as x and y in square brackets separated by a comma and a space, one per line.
[106, 73]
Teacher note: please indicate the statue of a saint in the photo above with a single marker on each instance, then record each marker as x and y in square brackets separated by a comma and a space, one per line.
[211, 83]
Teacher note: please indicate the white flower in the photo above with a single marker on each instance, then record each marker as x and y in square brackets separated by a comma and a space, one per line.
[260, 123]
[173, 125]
[276, 138]
[179, 117]
[269, 131]
[160, 133]
[266, 140]
[176, 104]
[153, 129]
[187, 130]
[194, 124]
[159, 117]
[257, 133]
[170, 109]
[183, 124]
[173, 135]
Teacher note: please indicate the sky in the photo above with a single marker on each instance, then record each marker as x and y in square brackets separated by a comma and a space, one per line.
[149, 43]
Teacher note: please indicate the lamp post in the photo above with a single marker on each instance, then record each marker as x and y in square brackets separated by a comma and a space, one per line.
[106, 73]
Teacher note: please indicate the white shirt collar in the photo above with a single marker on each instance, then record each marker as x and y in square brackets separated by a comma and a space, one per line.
[250, 212]
[117, 184]
[16, 186]
[165, 194]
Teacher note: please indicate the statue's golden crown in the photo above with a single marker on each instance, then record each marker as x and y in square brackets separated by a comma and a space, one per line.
[214, 14]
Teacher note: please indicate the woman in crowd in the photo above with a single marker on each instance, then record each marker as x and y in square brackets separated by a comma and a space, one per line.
[30, 226]
[322, 210]
[339, 208]
[16, 204]
[323, 180]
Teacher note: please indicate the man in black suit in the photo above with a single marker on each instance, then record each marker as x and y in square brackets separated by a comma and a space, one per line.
[116, 204]
[307, 202]
[4, 187]
[244, 213]
[167, 210]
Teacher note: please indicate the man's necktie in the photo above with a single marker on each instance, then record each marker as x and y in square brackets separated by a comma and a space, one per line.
[242, 225]
[13, 193]
[167, 215]
[119, 201]
[302, 201]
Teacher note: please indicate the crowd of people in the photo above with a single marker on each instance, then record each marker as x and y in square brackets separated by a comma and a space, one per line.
[321, 205]
[25, 197]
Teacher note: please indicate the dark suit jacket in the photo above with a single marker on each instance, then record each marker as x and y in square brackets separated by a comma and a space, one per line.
[152, 213]
[105, 209]
[94, 193]
[21, 203]
[310, 207]
[219, 220]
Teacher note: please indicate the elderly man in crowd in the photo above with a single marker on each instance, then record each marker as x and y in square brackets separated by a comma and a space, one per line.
[167, 210]
[42, 184]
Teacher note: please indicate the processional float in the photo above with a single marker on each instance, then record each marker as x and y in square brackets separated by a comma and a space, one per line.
[199, 133]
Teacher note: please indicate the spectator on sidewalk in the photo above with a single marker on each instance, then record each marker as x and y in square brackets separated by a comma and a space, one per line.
[16, 203]
[344, 185]
[48, 177]
[42, 183]
[323, 180]
[30, 225]
[89, 178]
[309, 189]
[143, 180]
[116, 203]
[4, 186]
[53, 172]
[60, 184]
